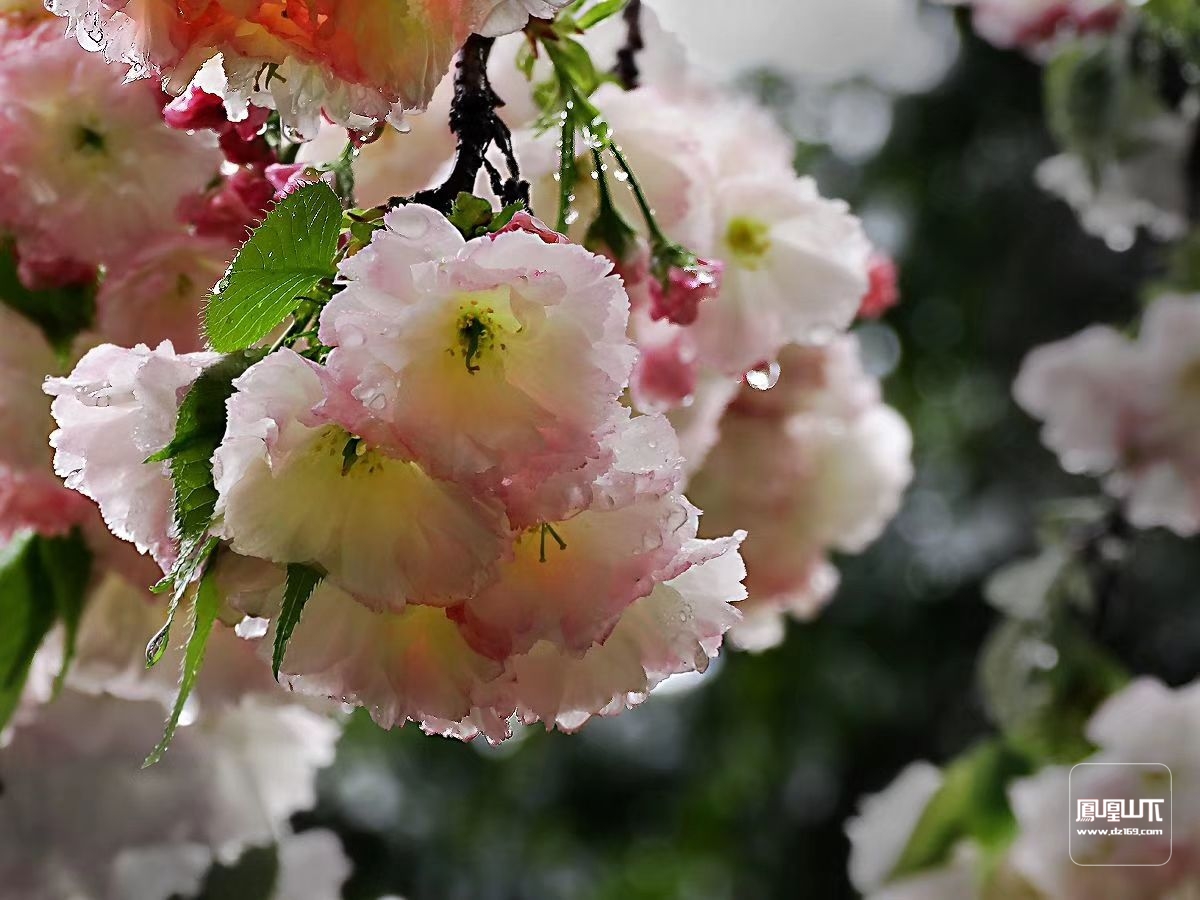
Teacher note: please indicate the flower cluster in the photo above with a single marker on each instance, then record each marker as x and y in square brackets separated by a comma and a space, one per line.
[1145, 720]
[459, 471]
[1127, 410]
[790, 265]
[89, 172]
[816, 463]
[356, 63]
[79, 818]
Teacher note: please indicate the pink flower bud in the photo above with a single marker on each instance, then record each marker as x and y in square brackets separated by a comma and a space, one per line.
[44, 273]
[884, 292]
[249, 127]
[679, 301]
[287, 177]
[194, 110]
[523, 221]
[238, 150]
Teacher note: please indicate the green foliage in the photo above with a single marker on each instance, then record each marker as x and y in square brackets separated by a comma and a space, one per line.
[971, 803]
[61, 313]
[42, 581]
[1177, 22]
[205, 606]
[253, 876]
[198, 430]
[302, 581]
[287, 259]
[1041, 687]
[474, 216]
[1086, 88]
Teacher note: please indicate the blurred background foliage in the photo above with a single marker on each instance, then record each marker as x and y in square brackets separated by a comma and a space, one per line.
[737, 784]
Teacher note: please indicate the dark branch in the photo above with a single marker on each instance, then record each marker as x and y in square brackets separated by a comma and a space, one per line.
[1191, 174]
[626, 70]
[474, 121]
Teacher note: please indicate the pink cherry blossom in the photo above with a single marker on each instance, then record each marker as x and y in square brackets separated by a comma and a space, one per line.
[718, 174]
[88, 169]
[804, 475]
[158, 293]
[484, 358]
[676, 628]
[388, 532]
[400, 162]
[36, 501]
[1126, 410]
[884, 292]
[795, 271]
[232, 208]
[416, 665]
[678, 301]
[114, 410]
[353, 63]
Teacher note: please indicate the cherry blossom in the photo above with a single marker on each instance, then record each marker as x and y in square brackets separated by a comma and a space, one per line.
[822, 467]
[1126, 410]
[88, 169]
[389, 531]
[113, 411]
[355, 63]
[483, 357]
[158, 293]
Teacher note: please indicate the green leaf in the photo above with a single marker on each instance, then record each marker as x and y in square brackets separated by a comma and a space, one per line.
[61, 313]
[67, 564]
[971, 803]
[602, 10]
[470, 215]
[41, 580]
[302, 582]
[191, 561]
[26, 615]
[204, 614]
[286, 259]
[573, 63]
[198, 430]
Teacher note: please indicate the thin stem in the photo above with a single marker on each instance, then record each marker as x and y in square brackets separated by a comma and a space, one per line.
[566, 171]
[656, 233]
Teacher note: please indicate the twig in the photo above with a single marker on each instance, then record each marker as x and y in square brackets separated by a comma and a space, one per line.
[474, 121]
[626, 70]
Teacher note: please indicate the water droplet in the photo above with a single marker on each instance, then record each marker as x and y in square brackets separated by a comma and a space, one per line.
[764, 377]
[251, 628]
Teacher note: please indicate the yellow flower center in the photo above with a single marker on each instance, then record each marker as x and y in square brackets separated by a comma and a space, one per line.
[484, 324]
[748, 240]
[353, 455]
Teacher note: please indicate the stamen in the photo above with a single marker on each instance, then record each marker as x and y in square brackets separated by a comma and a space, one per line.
[549, 529]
